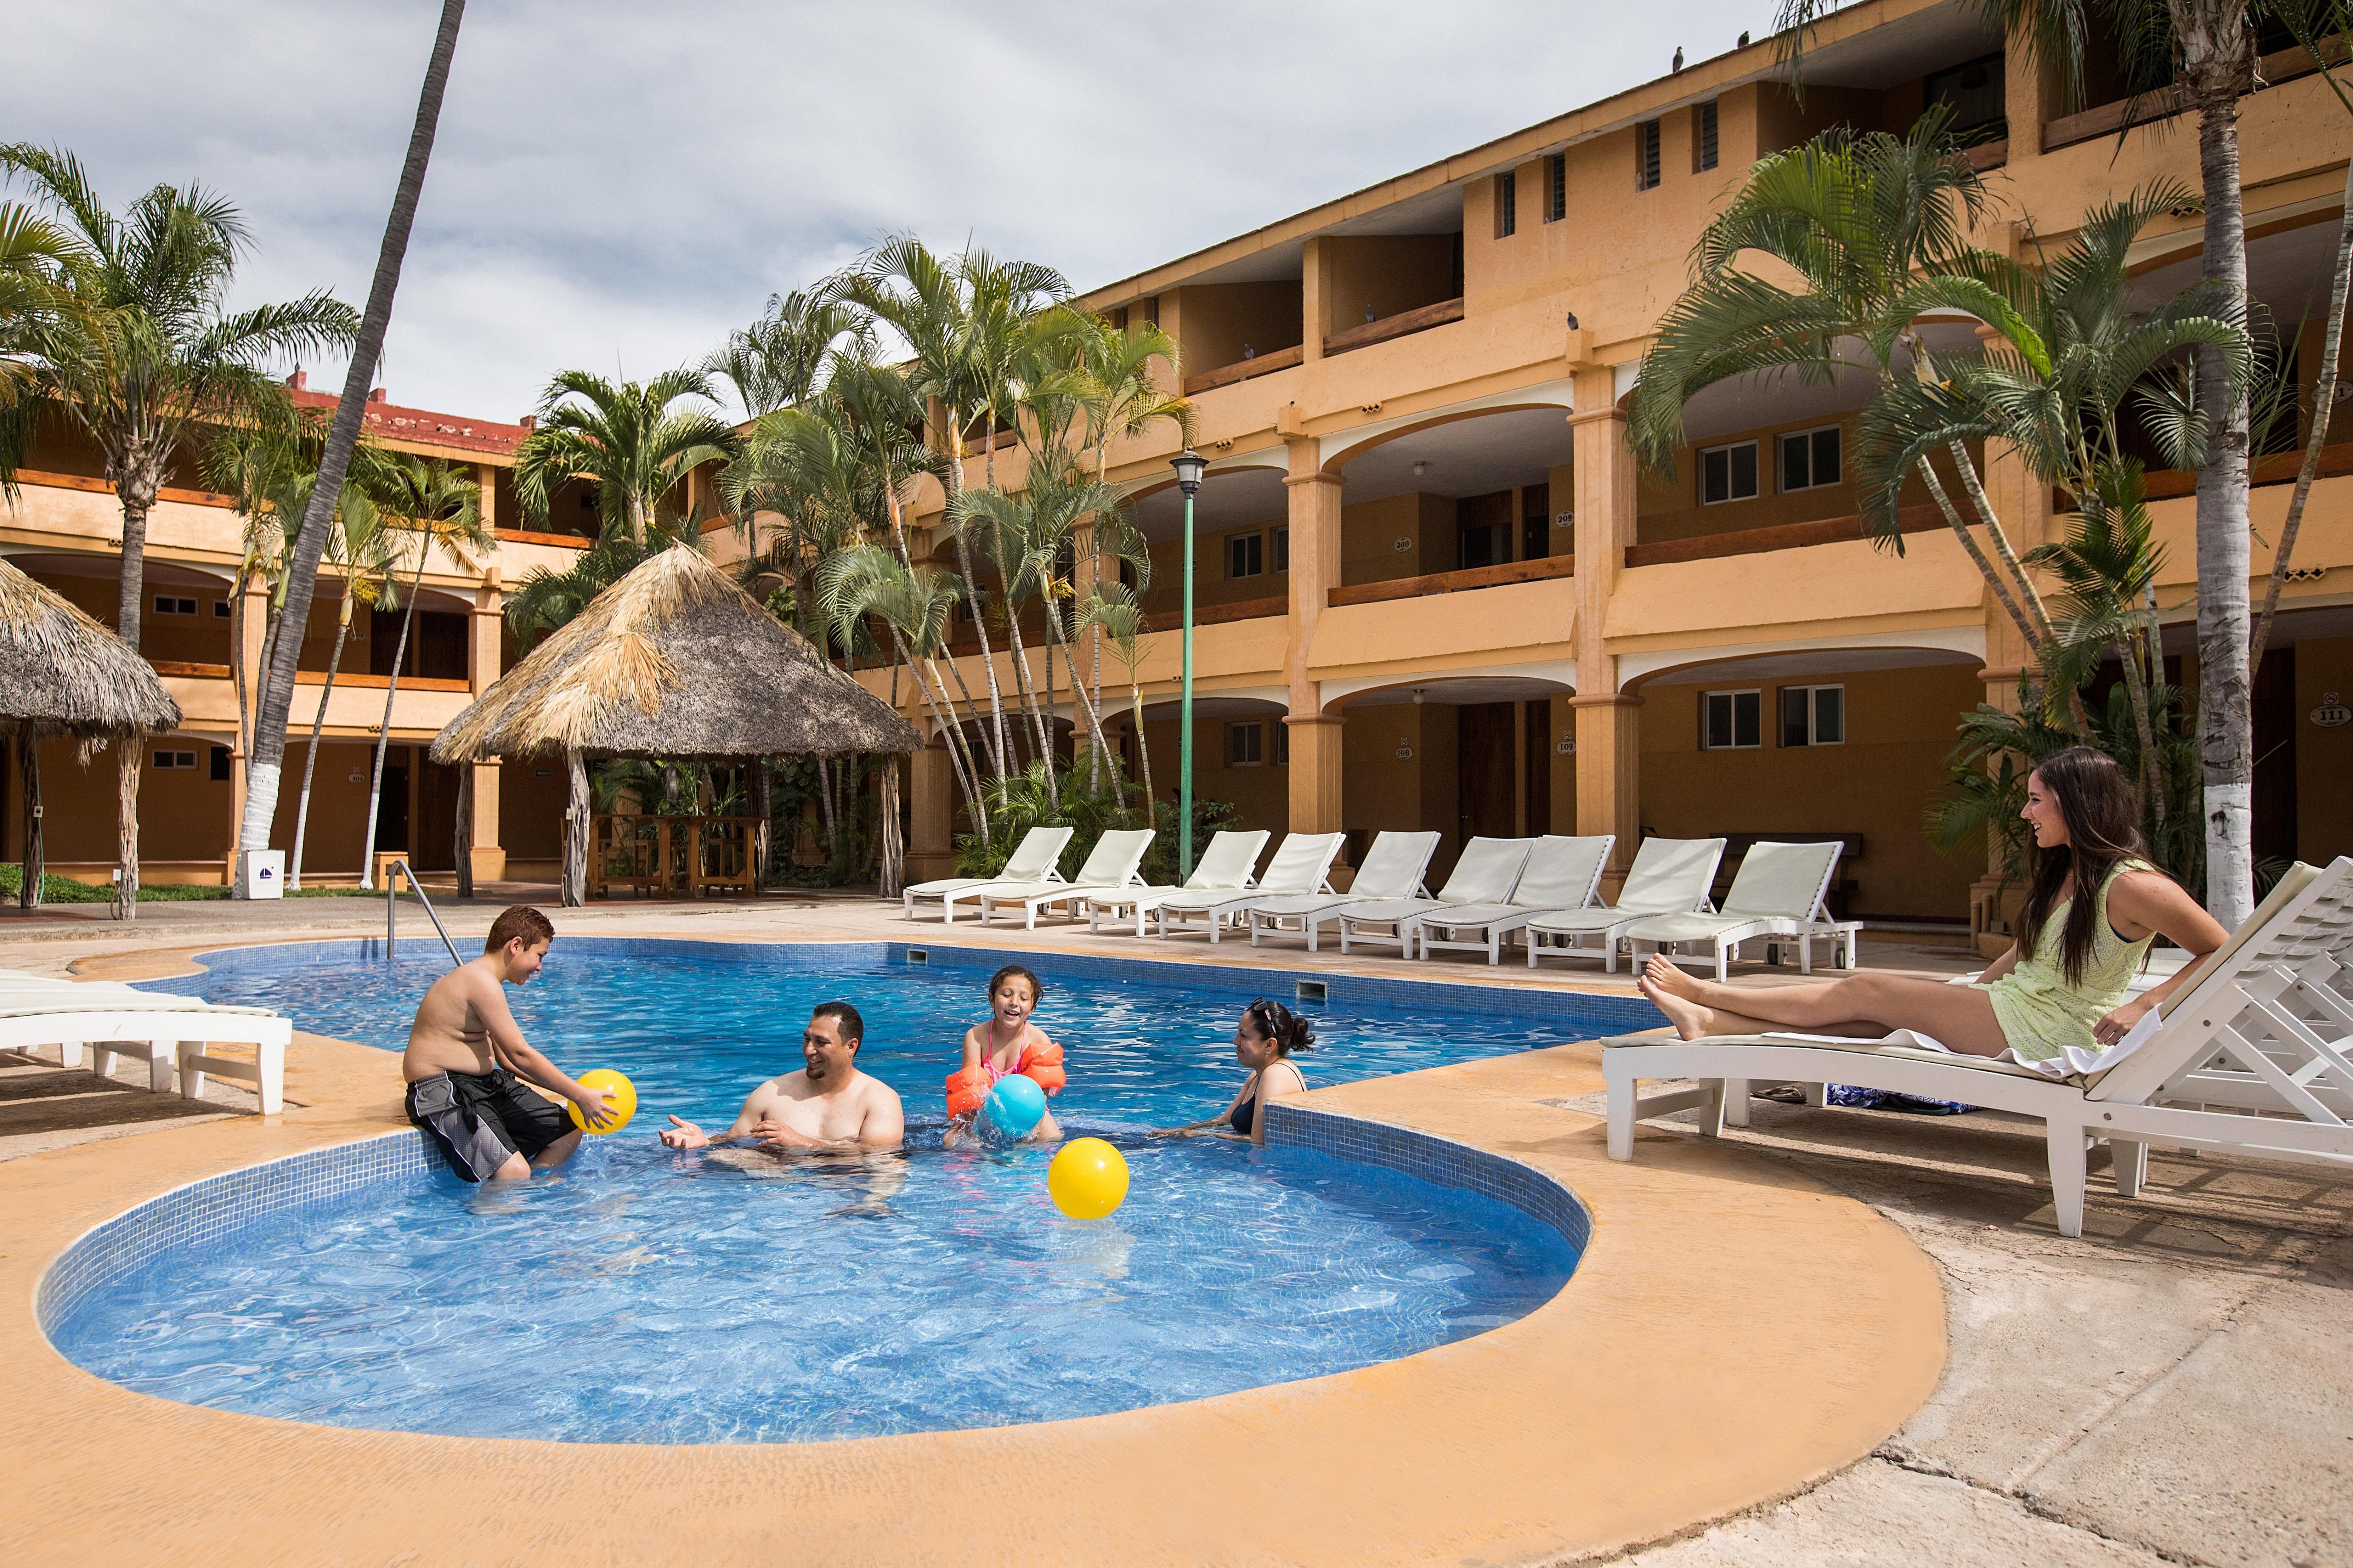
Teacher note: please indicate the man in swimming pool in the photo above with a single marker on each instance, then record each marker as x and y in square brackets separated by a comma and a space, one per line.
[467, 1064]
[829, 1106]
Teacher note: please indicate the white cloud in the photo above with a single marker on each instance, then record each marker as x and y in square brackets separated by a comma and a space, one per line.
[618, 185]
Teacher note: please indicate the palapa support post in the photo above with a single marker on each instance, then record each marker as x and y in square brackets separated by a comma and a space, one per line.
[29, 765]
[758, 849]
[464, 835]
[576, 832]
[130, 751]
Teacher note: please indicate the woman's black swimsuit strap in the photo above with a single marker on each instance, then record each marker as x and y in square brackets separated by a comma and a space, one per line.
[1245, 1116]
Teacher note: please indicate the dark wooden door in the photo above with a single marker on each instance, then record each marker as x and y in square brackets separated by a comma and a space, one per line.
[2274, 829]
[1536, 522]
[1538, 722]
[1483, 753]
[392, 812]
[436, 846]
[1482, 530]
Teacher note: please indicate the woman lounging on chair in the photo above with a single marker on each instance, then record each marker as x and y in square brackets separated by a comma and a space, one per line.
[2062, 983]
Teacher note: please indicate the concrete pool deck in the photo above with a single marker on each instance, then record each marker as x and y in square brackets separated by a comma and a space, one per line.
[1737, 1334]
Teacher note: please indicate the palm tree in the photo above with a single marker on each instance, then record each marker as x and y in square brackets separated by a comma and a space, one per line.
[1874, 226]
[779, 361]
[361, 547]
[38, 319]
[1114, 609]
[269, 754]
[625, 438]
[434, 505]
[158, 354]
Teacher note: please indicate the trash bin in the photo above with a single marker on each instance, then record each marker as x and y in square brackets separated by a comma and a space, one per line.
[261, 874]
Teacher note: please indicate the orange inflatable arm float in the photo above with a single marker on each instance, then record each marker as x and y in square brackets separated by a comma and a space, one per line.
[966, 1087]
[1042, 1065]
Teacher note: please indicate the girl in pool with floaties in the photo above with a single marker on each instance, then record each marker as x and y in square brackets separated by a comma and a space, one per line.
[1006, 1044]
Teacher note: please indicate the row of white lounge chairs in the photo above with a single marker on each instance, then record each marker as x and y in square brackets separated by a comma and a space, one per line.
[110, 1020]
[1543, 890]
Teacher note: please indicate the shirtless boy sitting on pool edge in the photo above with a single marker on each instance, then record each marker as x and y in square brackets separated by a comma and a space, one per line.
[466, 1063]
[826, 1106]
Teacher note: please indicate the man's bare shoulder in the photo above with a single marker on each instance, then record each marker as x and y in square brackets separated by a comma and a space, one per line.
[875, 1091]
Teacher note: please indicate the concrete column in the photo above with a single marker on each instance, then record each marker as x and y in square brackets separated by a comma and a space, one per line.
[1315, 519]
[931, 849]
[1608, 733]
[487, 476]
[2030, 97]
[1314, 297]
[488, 854]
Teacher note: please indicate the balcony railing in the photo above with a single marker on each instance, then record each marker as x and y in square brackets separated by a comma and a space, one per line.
[1217, 615]
[1244, 370]
[1420, 319]
[1787, 536]
[2106, 119]
[1533, 571]
[2163, 484]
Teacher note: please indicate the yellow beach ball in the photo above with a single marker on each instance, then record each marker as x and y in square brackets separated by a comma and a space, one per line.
[620, 1108]
[1088, 1179]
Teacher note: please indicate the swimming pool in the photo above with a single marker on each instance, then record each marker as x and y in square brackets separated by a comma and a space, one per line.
[645, 1295]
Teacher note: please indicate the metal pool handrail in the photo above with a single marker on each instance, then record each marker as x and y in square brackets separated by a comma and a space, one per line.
[391, 912]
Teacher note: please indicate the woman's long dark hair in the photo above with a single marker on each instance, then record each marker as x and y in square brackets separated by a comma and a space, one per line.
[1278, 1023]
[2103, 816]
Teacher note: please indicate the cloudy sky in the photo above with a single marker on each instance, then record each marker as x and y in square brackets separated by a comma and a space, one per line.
[616, 185]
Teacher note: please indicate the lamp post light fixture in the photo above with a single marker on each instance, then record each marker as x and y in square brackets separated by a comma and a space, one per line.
[1189, 465]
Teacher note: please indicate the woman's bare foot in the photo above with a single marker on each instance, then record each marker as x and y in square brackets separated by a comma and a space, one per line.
[1663, 974]
[1691, 1020]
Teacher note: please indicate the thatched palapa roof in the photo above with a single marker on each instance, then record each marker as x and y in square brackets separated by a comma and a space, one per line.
[67, 673]
[674, 661]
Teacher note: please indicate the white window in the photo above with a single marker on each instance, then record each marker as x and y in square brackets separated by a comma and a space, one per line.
[1813, 715]
[1727, 473]
[1279, 546]
[1731, 721]
[1245, 555]
[171, 604]
[1809, 458]
[1245, 744]
[165, 759]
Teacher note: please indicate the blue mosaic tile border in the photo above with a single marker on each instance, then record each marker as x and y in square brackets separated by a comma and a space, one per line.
[1597, 1016]
[217, 1207]
[1441, 1161]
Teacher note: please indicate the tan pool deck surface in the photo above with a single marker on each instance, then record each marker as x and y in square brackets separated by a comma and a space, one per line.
[1832, 1337]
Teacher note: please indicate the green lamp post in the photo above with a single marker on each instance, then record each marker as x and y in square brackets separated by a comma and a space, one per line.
[1189, 465]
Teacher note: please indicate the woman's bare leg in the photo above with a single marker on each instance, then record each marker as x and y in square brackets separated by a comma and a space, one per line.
[1864, 1006]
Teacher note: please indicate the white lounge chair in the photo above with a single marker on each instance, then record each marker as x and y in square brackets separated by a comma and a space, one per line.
[2252, 1055]
[1562, 873]
[1034, 860]
[1226, 866]
[1486, 873]
[1302, 867]
[1670, 875]
[1778, 891]
[1393, 868]
[1111, 865]
[113, 1020]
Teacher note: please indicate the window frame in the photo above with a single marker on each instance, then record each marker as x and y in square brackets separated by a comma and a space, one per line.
[1649, 170]
[1282, 727]
[1555, 187]
[173, 605]
[1255, 728]
[1507, 203]
[1708, 141]
[171, 758]
[1730, 495]
[1250, 545]
[1811, 436]
[1278, 548]
[1732, 695]
[1811, 699]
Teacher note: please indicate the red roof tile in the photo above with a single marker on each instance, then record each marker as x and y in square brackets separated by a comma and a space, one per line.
[390, 421]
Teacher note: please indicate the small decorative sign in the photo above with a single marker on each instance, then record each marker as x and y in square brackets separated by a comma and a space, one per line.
[2332, 713]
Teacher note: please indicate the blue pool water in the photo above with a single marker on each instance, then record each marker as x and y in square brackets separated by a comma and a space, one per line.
[647, 1296]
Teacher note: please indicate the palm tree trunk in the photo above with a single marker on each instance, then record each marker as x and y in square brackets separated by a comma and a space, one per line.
[1023, 682]
[2323, 407]
[464, 846]
[132, 747]
[384, 732]
[311, 758]
[960, 754]
[269, 754]
[576, 831]
[971, 600]
[893, 847]
[1093, 710]
[28, 767]
[237, 664]
[2152, 778]
[1143, 754]
[1994, 580]
[2225, 707]
[825, 804]
[137, 499]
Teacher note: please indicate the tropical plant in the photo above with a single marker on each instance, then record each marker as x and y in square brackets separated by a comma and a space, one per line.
[1113, 610]
[268, 756]
[37, 307]
[915, 604]
[779, 361]
[360, 549]
[628, 440]
[433, 506]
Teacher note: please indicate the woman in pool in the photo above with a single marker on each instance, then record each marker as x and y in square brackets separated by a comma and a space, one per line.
[2092, 906]
[1263, 1041]
[1008, 1043]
